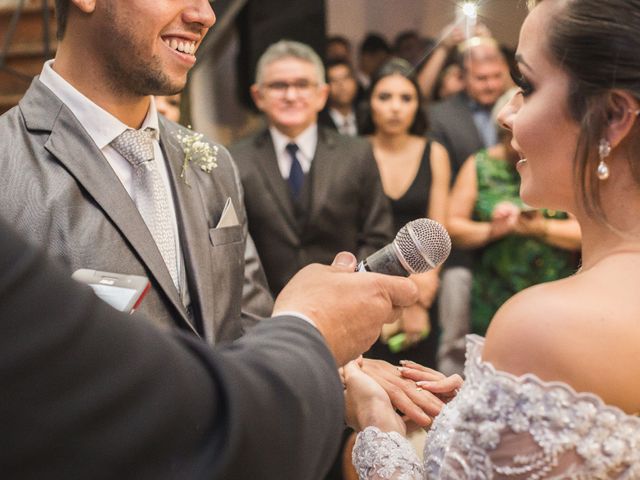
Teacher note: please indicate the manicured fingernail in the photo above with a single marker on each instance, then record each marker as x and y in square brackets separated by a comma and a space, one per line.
[343, 259]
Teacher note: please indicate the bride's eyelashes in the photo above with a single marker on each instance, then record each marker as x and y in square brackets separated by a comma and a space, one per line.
[521, 82]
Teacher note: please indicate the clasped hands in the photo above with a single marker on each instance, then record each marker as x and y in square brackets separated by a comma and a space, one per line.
[507, 218]
[375, 390]
[349, 311]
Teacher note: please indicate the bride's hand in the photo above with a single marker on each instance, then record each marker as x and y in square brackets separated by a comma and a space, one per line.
[366, 402]
[445, 388]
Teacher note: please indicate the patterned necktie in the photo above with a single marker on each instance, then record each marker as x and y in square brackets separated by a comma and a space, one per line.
[347, 127]
[296, 175]
[149, 193]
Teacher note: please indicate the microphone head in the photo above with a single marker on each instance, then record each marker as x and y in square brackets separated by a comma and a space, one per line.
[422, 244]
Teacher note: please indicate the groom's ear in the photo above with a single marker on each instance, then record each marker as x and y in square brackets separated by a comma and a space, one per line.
[85, 6]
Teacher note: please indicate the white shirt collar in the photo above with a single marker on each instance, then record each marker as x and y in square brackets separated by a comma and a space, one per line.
[338, 117]
[307, 141]
[346, 124]
[101, 126]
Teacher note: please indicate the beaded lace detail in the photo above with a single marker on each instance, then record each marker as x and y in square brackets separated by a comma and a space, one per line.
[505, 427]
[382, 455]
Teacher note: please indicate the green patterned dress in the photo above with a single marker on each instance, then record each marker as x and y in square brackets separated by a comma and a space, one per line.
[512, 263]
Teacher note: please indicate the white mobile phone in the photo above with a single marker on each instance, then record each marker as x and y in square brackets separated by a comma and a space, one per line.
[122, 292]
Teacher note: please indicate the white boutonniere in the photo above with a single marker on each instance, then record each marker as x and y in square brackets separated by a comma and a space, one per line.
[197, 152]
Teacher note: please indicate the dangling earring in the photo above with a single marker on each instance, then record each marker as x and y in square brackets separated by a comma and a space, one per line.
[604, 149]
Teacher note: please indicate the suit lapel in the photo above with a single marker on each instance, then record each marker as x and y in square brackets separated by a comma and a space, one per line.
[268, 165]
[323, 168]
[192, 226]
[74, 149]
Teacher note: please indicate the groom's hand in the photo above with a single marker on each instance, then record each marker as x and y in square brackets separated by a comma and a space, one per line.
[348, 308]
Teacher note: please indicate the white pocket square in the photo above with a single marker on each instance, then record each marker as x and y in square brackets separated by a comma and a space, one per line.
[228, 217]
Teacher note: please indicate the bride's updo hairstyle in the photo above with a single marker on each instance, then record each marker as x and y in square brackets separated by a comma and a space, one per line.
[597, 43]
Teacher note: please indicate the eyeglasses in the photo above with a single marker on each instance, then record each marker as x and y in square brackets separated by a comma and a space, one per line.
[302, 88]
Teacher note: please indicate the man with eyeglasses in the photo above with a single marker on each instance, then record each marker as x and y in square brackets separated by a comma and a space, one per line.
[309, 191]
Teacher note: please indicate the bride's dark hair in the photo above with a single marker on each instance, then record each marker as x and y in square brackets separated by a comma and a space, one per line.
[597, 43]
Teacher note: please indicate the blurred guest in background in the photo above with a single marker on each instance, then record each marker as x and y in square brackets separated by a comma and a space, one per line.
[374, 51]
[437, 77]
[411, 46]
[310, 192]
[415, 176]
[338, 48]
[450, 82]
[463, 124]
[169, 106]
[340, 112]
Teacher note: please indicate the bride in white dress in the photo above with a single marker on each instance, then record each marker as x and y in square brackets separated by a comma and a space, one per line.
[554, 389]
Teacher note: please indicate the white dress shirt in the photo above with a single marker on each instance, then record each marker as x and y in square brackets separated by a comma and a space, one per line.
[307, 142]
[103, 128]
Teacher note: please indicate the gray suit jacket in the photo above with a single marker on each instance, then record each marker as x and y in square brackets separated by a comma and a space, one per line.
[59, 191]
[343, 207]
[451, 124]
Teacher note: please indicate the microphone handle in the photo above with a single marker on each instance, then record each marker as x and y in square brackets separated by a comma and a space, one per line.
[384, 261]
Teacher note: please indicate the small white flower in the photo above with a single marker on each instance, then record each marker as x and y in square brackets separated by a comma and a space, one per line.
[197, 152]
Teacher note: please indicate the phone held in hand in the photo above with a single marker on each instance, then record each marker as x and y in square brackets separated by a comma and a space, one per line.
[122, 292]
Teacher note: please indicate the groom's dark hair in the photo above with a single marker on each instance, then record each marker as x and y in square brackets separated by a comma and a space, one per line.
[62, 12]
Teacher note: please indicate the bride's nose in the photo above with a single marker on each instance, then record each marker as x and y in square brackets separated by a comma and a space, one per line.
[508, 112]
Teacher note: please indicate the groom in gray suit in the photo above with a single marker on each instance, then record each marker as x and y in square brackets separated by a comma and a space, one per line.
[95, 175]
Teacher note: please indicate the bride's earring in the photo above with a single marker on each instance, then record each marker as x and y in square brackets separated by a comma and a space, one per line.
[604, 149]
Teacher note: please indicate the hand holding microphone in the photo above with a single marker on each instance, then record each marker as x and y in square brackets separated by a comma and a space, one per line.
[420, 246]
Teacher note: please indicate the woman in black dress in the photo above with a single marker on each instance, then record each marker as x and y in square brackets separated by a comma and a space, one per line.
[415, 176]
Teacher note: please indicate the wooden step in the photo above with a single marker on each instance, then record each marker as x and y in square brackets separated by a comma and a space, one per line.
[17, 78]
[25, 54]
[30, 25]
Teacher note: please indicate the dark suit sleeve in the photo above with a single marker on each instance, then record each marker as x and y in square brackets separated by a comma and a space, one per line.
[376, 219]
[88, 392]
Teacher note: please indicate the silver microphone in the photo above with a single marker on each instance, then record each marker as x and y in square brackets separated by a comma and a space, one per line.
[421, 245]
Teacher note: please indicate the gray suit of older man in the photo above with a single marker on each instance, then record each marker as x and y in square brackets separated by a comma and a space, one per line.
[59, 191]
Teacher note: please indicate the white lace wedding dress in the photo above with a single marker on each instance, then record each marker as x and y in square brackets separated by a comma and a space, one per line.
[505, 427]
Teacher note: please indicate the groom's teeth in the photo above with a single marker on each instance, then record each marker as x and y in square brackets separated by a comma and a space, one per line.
[180, 46]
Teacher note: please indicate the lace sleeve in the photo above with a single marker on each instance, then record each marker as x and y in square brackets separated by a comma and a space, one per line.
[502, 426]
[379, 455]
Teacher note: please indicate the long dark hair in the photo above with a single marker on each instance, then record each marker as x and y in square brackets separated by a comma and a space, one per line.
[396, 66]
[598, 45]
